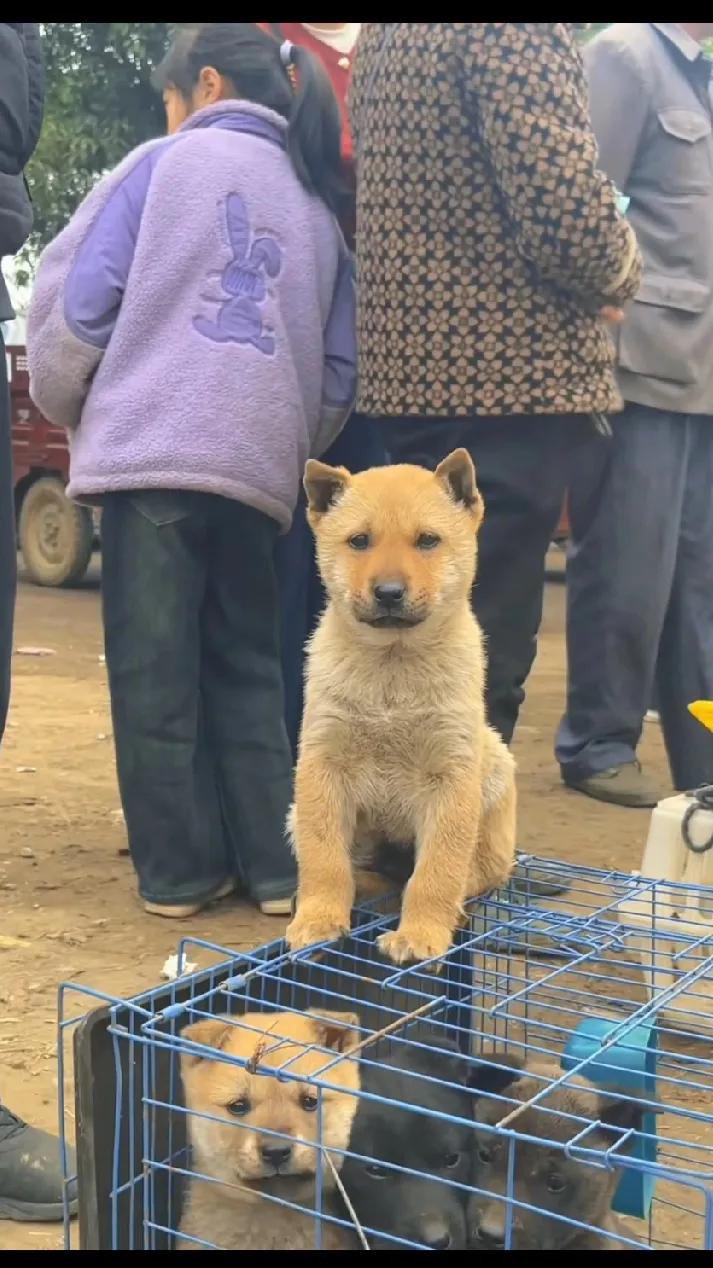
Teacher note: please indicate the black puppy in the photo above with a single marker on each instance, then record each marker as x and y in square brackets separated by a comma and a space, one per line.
[424, 1208]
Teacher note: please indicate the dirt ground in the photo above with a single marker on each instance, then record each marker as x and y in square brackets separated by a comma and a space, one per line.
[68, 908]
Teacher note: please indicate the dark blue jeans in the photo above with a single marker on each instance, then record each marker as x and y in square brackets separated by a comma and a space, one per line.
[7, 542]
[301, 594]
[191, 626]
[640, 594]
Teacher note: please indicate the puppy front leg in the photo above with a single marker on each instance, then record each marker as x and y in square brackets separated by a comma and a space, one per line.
[323, 822]
[494, 858]
[433, 899]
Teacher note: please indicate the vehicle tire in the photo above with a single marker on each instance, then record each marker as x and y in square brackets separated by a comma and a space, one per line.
[55, 535]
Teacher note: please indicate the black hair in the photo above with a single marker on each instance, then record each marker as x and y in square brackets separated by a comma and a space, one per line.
[251, 60]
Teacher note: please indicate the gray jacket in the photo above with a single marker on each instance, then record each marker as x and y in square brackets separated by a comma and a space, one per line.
[21, 97]
[650, 95]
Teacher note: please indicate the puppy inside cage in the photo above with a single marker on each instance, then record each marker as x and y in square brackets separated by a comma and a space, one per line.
[264, 1134]
[549, 1087]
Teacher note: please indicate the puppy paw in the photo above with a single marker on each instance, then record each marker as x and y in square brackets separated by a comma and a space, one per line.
[309, 927]
[408, 946]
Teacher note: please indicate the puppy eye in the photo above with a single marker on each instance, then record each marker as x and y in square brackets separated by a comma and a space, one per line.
[239, 1108]
[485, 1155]
[451, 1160]
[556, 1183]
[427, 541]
[360, 541]
[309, 1102]
[375, 1171]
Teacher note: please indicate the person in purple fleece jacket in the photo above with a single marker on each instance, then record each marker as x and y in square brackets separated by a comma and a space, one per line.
[193, 328]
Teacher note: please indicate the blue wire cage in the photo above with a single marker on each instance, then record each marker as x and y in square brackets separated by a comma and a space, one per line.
[558, 1007]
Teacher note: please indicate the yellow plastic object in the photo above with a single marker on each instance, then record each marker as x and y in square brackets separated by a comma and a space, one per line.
[702, 710]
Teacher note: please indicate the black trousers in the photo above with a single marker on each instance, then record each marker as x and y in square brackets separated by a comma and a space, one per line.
[192, 649]
[523, 466]
[7, 542]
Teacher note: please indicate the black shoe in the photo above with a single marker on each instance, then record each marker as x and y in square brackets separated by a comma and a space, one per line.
[31, 1172]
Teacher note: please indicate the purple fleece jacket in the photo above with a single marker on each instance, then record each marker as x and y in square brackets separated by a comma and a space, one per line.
[193, 326]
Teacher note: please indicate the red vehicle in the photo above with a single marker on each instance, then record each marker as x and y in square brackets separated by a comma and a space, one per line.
[56, 536]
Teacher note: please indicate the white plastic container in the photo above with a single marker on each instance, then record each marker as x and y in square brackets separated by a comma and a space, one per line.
[676, 941]
[666, 855]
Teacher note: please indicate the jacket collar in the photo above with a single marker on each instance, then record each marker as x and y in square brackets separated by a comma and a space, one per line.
[684, 42]
[240, 116]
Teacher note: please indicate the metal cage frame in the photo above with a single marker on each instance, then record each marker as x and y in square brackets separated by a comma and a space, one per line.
[609, 981]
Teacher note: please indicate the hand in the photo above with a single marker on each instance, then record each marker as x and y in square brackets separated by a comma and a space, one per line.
[612, 315]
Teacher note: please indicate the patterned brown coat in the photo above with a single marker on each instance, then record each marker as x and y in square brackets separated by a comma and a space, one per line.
[487, 237]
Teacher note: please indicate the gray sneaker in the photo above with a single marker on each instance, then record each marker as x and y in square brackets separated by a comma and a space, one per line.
[624, 785]
[536, 882]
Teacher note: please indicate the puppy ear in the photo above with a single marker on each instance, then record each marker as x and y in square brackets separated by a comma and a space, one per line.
[324, 486]
[339, 1031]
[435, 1055]
[495, 1071]
[457, 475]
[619, 1113]
[212, 1033]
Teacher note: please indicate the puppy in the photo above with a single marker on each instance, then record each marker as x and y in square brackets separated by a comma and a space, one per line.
[395, 747]
[237, 1152]
[422, 1208]
[544, 1176]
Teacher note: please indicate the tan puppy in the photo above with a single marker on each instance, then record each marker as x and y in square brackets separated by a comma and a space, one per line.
[237, 1151]
[394, 745]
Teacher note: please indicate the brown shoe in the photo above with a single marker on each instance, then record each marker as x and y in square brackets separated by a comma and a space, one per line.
[619, 785]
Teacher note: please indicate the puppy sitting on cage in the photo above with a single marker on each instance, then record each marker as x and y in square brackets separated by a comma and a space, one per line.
[547, 1180]
[395, 746]
[253, 1131]
[410, 1148]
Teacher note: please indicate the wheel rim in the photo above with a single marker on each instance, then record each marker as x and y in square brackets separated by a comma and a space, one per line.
[53, 528]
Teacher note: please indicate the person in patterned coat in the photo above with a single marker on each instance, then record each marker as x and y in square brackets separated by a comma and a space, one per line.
[490, 253]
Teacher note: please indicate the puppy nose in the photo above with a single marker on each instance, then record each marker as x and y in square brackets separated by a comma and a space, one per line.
[389, 593]
[276, 1154]
[490, 1235]
[435, 1233]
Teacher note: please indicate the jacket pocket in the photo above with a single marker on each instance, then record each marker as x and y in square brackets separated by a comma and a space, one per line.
[660, 334]
[685, 162]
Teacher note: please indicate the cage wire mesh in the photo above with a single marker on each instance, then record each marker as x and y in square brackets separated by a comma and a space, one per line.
[547, 1084]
